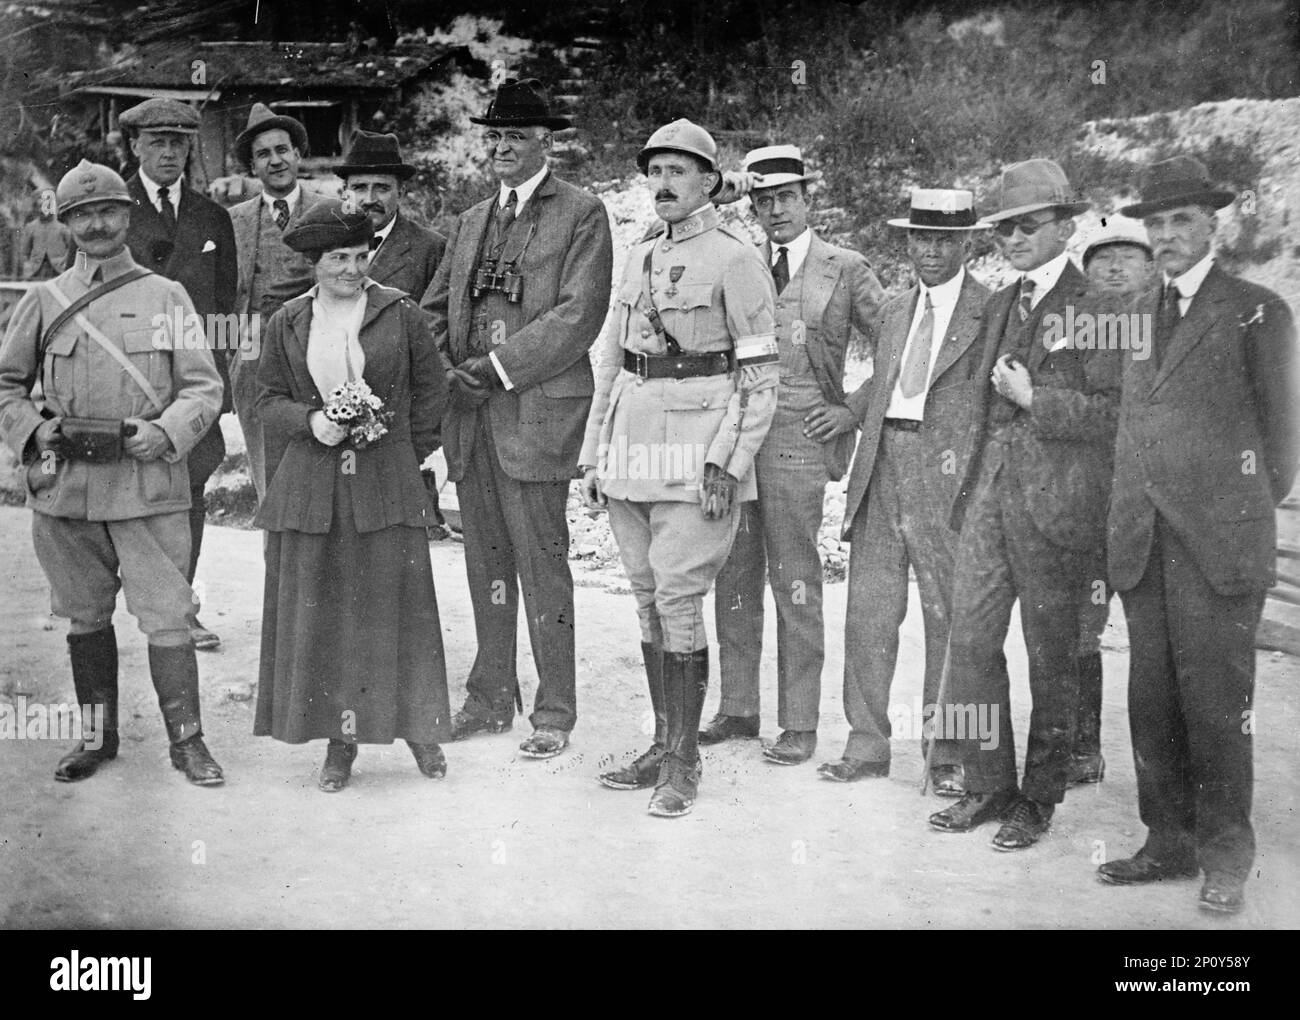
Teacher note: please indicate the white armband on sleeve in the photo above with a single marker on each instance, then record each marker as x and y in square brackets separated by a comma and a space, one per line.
[757, 350]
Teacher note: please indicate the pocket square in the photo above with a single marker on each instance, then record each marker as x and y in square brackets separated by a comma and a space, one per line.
[1062, 343]
[208, 245]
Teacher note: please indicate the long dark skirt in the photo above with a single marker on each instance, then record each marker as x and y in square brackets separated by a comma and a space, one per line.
[351, 640]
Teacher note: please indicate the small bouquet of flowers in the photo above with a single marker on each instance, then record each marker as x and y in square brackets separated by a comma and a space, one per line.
[353, 406]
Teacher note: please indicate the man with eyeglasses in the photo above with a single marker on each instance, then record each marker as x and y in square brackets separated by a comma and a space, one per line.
[517, 301]
[1032, 511]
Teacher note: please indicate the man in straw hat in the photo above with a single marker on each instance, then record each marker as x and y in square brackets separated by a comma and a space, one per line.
[1207, 448]
[515, 306]
[911, 456]
[1031, 508]
[823, 293]
[124, 400]
[270, 272]
[686, 390]
[186, 237]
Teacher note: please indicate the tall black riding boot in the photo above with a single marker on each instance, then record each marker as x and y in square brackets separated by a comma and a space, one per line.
[643, 772]
[94, 676]
[686, 679]
[175, 673]
[1086, 763]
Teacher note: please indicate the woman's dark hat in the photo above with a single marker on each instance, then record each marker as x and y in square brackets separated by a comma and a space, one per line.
[1174, 182]
[371, 153]
[328, 225]
[260, 118]
[520, 104]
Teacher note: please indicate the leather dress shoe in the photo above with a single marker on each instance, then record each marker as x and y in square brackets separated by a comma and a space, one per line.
[204, 640]
[82, 762]
[544, 742]
[1223, 893]
[725, 727]
[948, 781]
[465, 724]
[338, 766]
[972, 810]
[1142, 868]
[1024, 824]
[429, 759]
[679, 785]
[850, 770]
[639, 774]
[191, 757]
[1086, 768]
[792, 747]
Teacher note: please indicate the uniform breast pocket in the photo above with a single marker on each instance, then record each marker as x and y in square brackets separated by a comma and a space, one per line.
[147, 349]
[683, 312]
[59, 381]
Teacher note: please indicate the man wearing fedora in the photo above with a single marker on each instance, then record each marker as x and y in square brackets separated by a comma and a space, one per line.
[1207, 448]
[912, 454]
[403, 254]
[823, 293]
[686, 390]
[515, 305]
[270, 272]
[186, 237]
[1031, 508]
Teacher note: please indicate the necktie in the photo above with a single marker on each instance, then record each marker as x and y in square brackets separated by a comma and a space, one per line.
[375, 242]
[281, 213]
[916, 368]
[1167, 318]
[166, 211]
[781, 270]
[506, 213]
[1026, 298]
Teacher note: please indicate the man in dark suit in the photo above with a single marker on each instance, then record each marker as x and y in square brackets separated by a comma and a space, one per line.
[516, 304]
[270, 272]
[1207, 447]
[912, 455]
[1033, 503]
[823, 292]
[186, 237]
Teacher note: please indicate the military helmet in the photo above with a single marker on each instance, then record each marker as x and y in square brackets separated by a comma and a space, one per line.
[682, 136]
[89, 182]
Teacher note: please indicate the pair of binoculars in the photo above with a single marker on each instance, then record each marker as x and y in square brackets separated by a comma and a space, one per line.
[507, 281]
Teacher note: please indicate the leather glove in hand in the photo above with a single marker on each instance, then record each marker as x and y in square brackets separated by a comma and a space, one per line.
[717, 492]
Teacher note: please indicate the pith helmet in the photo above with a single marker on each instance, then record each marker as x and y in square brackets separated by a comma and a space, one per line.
[682, 136]
[89, 182]
[1117, 230]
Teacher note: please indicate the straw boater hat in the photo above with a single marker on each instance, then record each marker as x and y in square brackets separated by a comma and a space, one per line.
[1117, 230]
[370, 153]
[940, 209]
[260, 119]
[1174, 182]
[161, 115]
[520, 104]
[777, 165]
[327, 225]
[1032, 186]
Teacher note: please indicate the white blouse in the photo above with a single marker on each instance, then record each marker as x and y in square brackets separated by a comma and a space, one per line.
[334, 354]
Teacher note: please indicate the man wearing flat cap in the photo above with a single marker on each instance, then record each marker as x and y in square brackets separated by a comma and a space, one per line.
[910, 459]
[270, 272]
[515, 305]
[1031, 508]
[1207, 448]
[123, 402]
[823, 293]
[186, 237]
[685, 394]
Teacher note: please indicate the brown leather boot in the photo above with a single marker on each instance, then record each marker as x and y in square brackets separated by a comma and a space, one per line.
[175, 673]
[643, 772]
[686, 679]
[94, 677]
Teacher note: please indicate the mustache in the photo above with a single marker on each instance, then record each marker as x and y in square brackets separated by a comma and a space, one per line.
[97, 235]
[372, 207]
[663, 194]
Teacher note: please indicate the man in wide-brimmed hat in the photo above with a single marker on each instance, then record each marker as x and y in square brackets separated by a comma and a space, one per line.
[516, 303]
[270, 272]
[185, 236]
[823, 293]
[910, 458]
[1207, 448]
[1031, 508]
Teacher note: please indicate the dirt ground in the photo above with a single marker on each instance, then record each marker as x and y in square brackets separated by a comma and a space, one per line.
[506, 841]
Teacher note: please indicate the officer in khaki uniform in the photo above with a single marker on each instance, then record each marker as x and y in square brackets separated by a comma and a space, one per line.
[685, 393]
[124, 403]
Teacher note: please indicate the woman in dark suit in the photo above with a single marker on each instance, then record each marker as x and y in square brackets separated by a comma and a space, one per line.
[351, 640]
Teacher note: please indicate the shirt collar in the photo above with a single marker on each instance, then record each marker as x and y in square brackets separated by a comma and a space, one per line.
[523, 192]
[946, 293]
[383, 232]
[797, 248]
[1046, 275]
[110, 268]
[1190, 281]
[151, 189]
[704, 218]
[291, 198]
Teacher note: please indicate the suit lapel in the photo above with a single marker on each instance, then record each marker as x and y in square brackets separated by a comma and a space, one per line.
[898, 328]
[392, 253]
[820, 274]
[187, 242]
[963, 327]
[1201, 315]
[1070, 285]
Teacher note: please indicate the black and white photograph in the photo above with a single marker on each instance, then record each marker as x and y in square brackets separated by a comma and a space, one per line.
[627, 465]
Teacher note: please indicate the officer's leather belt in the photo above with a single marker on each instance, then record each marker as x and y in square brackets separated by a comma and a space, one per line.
[903, 424]
[683, 366]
